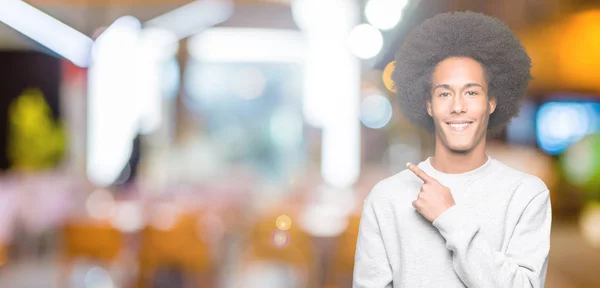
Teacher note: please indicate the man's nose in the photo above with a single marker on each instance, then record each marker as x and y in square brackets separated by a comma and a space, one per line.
[458, 104]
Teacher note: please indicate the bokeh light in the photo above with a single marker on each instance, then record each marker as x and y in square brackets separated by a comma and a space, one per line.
[375, 111]
[100, 204]
[365, 41]
[328, 217]
[128, 216]
[283, 222]
[581, 161]
[387, 76]
[590, 224]
[384, 14]
[562, 123]
[280, 239]
[164, 216]
[98, 277]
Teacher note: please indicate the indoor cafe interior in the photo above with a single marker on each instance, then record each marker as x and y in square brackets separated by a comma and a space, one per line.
[248, 133]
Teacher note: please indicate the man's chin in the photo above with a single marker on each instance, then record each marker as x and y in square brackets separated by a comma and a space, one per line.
[457, 143]
[460, 149]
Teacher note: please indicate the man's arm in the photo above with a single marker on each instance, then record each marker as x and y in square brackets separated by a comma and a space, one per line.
[371, 265]
[478, 265]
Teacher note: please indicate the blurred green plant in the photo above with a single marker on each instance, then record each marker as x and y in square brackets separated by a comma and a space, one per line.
[35, 140]
[580, 165]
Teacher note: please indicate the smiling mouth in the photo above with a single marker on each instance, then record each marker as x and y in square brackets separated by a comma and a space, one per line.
[459, 126]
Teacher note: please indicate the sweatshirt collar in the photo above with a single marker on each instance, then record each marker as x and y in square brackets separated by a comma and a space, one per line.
[472, 175]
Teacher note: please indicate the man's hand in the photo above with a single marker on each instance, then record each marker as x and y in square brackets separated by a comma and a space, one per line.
[434, 198]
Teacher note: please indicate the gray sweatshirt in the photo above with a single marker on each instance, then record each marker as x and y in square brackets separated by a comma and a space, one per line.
[497, 234]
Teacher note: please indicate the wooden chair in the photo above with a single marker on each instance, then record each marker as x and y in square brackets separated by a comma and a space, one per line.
[97, 241]
[180, 247]
[3, 256]
[291, 248]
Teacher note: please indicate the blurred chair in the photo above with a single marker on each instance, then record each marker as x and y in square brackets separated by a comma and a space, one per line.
[341, 267]
[96, 241]
[176, 252]
[279, 255]
[3, 256]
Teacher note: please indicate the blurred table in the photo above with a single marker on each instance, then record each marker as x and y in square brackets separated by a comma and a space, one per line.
[572, 262]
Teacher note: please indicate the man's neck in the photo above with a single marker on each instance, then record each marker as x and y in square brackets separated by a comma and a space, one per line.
[450, 162]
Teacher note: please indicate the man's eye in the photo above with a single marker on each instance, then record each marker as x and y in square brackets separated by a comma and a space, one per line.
[472, 93]
[444, 94]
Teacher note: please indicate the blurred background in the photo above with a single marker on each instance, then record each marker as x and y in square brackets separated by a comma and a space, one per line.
[178, 143]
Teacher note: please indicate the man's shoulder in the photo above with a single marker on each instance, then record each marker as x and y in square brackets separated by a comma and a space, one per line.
[393, 186]
[525, 181]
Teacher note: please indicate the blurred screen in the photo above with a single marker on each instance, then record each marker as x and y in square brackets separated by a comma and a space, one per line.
[561, 123]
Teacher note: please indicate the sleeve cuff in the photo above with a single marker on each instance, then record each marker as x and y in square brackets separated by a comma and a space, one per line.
[455, 222]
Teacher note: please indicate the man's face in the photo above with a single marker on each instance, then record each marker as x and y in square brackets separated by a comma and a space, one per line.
[459, 103]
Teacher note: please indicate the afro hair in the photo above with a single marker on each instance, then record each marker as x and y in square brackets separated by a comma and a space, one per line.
[461, 34]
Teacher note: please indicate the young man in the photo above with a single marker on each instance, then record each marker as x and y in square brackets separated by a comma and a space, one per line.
[459, 218]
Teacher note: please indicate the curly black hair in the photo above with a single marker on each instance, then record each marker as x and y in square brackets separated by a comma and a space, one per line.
[461, 34]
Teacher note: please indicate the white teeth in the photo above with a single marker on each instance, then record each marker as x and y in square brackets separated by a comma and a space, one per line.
[459, 126]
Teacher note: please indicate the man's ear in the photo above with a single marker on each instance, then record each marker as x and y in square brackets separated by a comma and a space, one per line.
[492, 104]
[429, 109]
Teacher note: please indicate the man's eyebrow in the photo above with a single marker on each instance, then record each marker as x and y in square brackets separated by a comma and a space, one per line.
[446, 86]
[472, 85]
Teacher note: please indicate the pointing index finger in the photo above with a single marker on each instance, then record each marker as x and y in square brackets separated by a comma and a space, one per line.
[419, 173]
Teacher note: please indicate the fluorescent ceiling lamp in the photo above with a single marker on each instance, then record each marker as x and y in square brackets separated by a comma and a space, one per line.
[239, 45]
[113, 114]
[194, 17]
[332, 86]
[49, 32]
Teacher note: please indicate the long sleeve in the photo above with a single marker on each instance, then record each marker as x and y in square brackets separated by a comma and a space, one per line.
[525, 262]
[371, 265]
